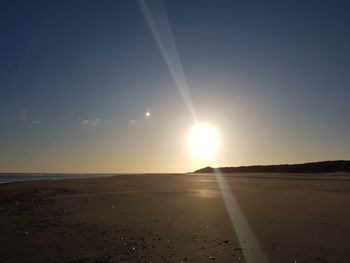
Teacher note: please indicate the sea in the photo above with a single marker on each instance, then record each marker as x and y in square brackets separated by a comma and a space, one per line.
[23, 177]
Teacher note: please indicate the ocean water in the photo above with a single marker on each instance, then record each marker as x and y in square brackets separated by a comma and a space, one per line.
[23, 177]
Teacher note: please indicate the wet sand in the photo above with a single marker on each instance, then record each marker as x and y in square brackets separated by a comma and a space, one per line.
[174, 218]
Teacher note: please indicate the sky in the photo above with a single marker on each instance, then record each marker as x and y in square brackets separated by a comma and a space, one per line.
[78, 77]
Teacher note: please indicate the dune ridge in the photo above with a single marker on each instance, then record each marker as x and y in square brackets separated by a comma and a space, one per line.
[311, 167]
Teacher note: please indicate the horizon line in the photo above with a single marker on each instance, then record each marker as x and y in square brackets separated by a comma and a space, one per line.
[120, 173]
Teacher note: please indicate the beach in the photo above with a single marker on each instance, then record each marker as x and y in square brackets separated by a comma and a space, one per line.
[175, 218]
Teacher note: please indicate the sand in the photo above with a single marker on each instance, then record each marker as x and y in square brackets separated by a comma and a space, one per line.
[174, 218]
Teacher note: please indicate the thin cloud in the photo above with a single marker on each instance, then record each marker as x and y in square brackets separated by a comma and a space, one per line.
[95, 122]
[85, 122]
[90, 122]
[36, 122]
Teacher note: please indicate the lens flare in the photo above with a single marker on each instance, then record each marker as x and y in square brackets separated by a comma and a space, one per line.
[251, 248]
[203, 139]
[157, 19]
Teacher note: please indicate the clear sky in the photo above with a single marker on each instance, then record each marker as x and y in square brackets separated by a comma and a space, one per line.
[77, 78]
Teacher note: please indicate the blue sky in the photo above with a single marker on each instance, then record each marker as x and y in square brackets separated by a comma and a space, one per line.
[76, 78]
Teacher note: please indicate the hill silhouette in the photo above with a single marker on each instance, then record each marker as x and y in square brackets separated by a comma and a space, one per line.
[312, 167]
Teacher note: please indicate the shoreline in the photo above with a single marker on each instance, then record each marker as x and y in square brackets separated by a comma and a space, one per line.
[21, 178]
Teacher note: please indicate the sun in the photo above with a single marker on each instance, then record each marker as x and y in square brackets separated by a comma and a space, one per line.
[203, 141]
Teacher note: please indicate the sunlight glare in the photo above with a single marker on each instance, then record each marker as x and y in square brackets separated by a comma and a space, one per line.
[203, 141]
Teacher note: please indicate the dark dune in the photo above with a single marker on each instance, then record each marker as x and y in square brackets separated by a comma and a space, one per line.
[314, 167]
